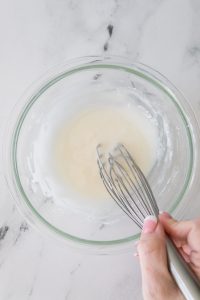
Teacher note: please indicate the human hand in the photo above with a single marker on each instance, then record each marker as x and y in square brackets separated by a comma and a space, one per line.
[186, 237]
[157, 282]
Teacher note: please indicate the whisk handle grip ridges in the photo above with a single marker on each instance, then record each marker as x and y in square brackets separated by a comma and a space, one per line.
[182, 274]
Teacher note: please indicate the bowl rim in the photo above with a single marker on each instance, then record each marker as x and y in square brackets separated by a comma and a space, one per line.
[52, 77]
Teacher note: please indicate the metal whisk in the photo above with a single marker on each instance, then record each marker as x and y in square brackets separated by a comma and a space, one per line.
[128, 186]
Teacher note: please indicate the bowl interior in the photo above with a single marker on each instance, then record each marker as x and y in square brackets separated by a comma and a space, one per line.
[62, 96]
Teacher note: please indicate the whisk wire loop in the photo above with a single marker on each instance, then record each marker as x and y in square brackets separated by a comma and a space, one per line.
[126, 184]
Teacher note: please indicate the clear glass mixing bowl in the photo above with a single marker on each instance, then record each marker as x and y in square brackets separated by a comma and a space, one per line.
[173, 177]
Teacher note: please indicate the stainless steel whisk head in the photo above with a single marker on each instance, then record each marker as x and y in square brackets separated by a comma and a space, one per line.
[126, 184]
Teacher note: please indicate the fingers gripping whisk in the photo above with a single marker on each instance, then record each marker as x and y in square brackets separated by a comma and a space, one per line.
[126, 183]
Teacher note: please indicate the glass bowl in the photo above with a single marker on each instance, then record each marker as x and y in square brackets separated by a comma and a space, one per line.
[75, 85]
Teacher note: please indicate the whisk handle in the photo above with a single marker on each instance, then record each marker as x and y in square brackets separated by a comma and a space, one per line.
[182, 274]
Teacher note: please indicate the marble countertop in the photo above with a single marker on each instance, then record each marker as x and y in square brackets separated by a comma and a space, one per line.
[38, 34]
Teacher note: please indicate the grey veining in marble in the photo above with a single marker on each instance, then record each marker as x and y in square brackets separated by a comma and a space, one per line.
[38, 34]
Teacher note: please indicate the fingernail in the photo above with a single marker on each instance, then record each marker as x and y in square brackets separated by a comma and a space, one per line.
[165, 214]
[149, 225]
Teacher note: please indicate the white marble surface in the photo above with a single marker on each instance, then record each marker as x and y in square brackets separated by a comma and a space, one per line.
[37, 34]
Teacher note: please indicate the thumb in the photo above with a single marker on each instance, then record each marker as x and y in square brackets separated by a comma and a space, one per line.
[153, 255]
[151, 247]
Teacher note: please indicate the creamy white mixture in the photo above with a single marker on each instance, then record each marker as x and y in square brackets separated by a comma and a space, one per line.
[75, 140]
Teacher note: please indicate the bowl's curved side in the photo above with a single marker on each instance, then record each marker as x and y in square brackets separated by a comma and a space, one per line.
[16, 119]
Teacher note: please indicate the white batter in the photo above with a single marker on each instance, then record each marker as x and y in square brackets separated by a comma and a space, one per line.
[74, 148]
